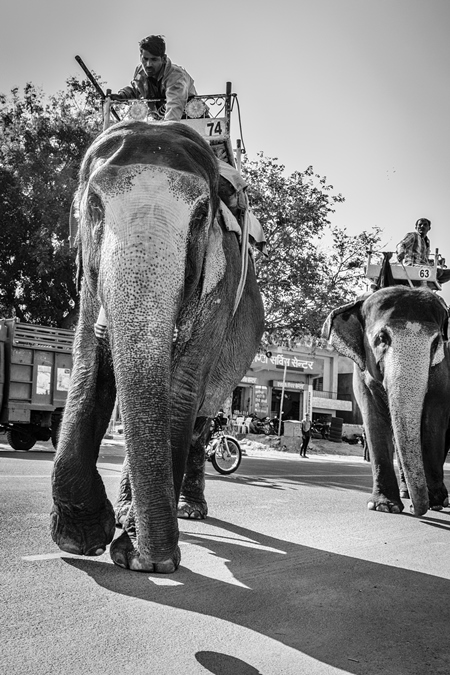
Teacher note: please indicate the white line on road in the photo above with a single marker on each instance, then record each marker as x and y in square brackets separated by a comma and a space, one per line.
[163, 581]
[51, 556]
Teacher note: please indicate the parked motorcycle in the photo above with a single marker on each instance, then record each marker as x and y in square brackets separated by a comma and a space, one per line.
[275, 426]
[262, 425]
[223, 451]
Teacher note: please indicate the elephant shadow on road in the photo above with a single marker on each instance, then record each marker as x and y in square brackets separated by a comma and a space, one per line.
[353, 614]
[349, 477]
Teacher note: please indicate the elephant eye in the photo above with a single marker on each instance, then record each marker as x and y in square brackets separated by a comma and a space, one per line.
[200, 213]
[95, 208]
[383, 339]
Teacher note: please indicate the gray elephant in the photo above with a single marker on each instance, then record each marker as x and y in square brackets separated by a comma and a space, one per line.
[398, 339]
[155, 257]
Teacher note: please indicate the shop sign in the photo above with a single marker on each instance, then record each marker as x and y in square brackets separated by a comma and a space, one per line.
[280, 361]
[249, 380]
[261, 400]
[308, 401]
[288, 385]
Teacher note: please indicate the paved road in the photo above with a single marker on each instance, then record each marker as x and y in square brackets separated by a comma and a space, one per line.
[290, 574]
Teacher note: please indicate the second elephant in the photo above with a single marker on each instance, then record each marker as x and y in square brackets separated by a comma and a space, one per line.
[398, 339]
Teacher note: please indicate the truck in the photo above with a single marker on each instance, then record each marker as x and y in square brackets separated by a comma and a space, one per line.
[35, 371]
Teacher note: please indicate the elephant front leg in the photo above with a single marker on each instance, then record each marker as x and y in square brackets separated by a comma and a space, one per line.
[124, 499]
[434, 452]
[385, 495]
[192, 502]
[124, 550]
[82, 518]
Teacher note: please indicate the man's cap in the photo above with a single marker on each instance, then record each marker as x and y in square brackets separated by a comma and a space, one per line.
[154, 44]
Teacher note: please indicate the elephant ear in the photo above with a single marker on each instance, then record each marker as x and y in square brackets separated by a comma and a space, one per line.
[446, 318]
[74, 238]
[440, 352]
[343, 328]
[73, 223]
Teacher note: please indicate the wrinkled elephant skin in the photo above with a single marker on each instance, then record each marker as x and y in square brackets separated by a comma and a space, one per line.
[153, 254]
[398, 339]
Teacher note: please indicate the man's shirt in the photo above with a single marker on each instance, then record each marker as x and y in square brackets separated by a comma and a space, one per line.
[306, 426]
[414, 249]
[174, 85]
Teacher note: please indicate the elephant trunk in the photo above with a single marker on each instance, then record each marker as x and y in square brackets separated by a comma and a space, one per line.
[142, 368]
[140, 289]
[406, 394]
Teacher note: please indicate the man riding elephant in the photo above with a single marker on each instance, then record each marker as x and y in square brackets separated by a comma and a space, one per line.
[156, 77]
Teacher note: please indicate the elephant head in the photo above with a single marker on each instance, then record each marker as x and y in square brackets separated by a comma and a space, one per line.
[397, 338]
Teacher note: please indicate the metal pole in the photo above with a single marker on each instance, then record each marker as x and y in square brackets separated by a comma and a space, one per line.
[282, 399]
[94, 82]
[228, 108]
[238, 154]
[107, 110]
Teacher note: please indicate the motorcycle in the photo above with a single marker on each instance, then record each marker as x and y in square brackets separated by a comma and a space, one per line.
[223, 451]
[275, 426]
[260, 425]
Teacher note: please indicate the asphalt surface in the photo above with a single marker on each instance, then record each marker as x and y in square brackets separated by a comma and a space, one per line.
[290, 574]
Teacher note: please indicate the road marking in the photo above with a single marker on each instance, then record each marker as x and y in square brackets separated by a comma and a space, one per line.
[51, 556]
[247, 543]
[163, 581]
[28, 475]
[48, 475]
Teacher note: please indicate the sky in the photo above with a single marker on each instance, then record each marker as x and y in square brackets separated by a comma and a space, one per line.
[359, 89]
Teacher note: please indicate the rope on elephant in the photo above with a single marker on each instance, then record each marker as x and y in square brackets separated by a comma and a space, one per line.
[244, 261]
[407, 275]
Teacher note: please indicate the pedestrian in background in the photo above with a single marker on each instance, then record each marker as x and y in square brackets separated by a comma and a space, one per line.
[306, 434]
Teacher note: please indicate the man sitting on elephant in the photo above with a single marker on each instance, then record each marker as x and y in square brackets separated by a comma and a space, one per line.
[414, 248]
[156, 77]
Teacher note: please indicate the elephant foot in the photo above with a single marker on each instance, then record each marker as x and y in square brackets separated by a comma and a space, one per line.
[438, 498]
[124, 553]
[76, 531]
[381, 503]
[191, 509]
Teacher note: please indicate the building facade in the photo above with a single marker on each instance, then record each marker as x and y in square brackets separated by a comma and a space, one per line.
[300, 379]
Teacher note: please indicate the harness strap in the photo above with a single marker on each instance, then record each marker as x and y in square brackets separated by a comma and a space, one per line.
[407, 275]
[244, 262]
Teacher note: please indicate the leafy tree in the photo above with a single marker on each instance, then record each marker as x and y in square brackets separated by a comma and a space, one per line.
[42, 142]
[301, 281]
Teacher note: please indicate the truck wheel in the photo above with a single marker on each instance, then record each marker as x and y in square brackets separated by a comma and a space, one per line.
[20, 440]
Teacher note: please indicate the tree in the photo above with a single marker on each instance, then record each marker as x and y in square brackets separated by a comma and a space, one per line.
[301, 281]
[42, 143]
